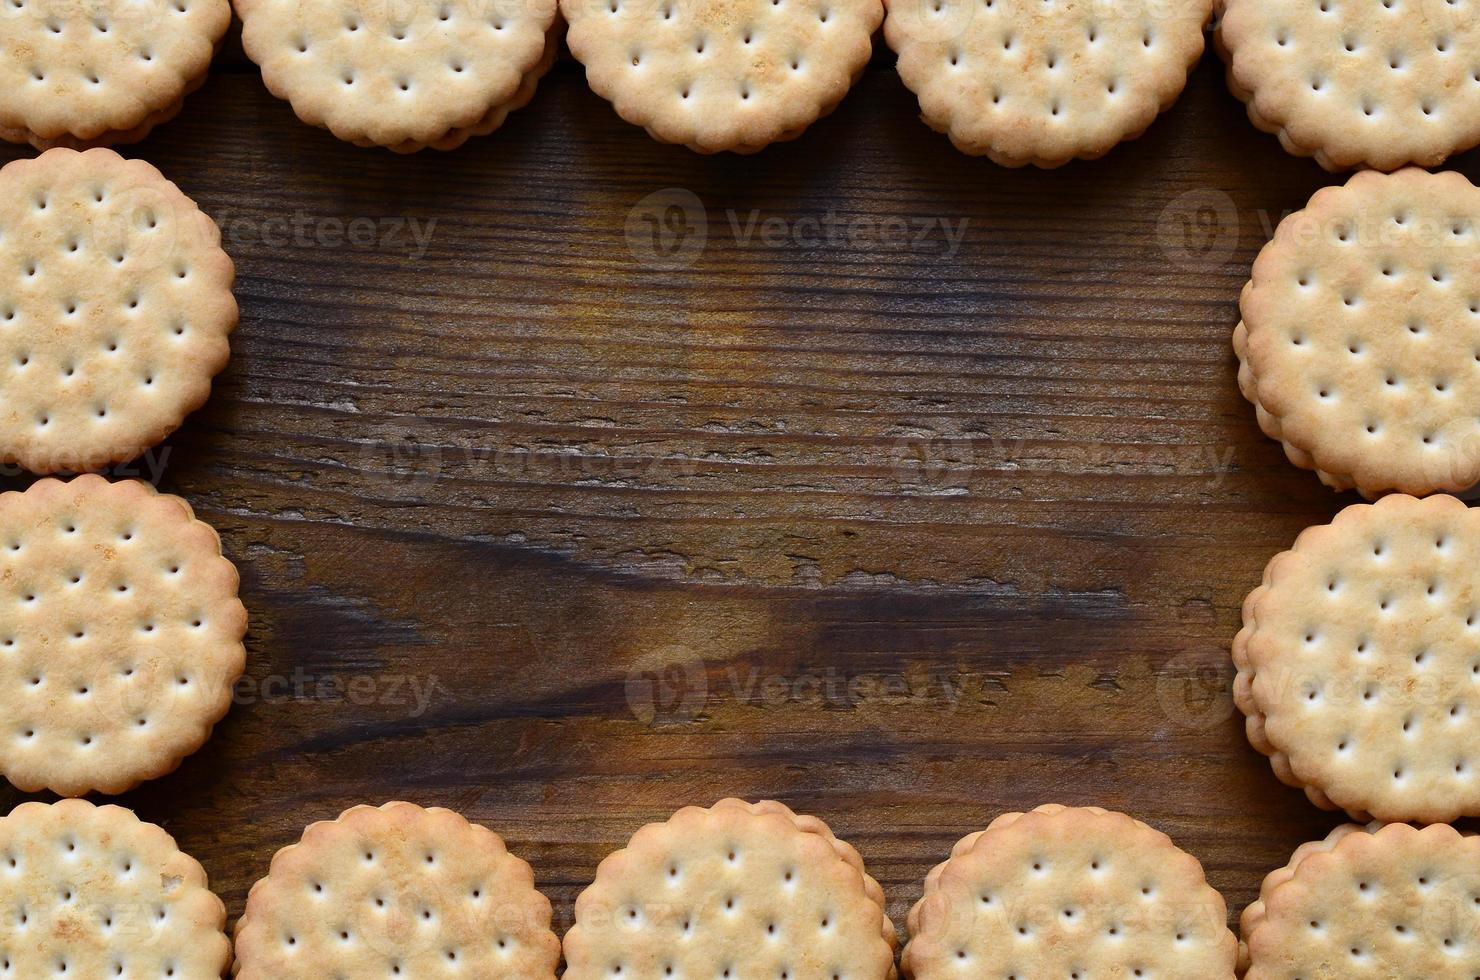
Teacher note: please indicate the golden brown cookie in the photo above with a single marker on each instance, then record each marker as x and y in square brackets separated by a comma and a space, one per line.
[738, 890]
[103, 72]
[1069, 892]
[391, 891]
[115, 309]
[1045, 81]
[92, 892]
[402, 76]
[1377, 903]
[735, 76]
[1360, 340]
[1359, 661]
[1358, 83]
[120, 635]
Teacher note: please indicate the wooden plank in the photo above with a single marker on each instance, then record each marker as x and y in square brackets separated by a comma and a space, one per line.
[914, 533]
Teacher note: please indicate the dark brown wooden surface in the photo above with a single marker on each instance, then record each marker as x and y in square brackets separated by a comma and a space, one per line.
[937, 535]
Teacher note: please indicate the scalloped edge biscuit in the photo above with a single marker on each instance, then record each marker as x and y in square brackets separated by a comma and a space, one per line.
[577, 943]
[1256, 911]
[135, 113]
[496, 116]
[924, 956]
[1308, 134]
[1420, 809]
[173, 874]
[662, 105]
[1281, 888]
[109, 138]
[316, 104]
[808, 824]
[1374, 476]
[931, 40]
[268, 900]
[132, 497]
[209, 306]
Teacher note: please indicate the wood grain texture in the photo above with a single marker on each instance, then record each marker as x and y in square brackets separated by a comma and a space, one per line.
[902, 536]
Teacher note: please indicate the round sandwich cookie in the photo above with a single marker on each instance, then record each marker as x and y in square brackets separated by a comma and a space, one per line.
[396, 891]
[1360, 340]
[93, 892]
[115, 309]
[1359, 661]
[739, 890]
[1029, 81]
[1069, 892]
[1370, 903]
[1358, 83]
[120, 635]
[102, 72]
[401, 76]
[734, 76]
